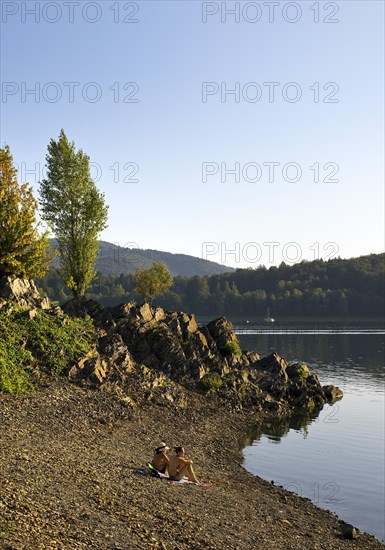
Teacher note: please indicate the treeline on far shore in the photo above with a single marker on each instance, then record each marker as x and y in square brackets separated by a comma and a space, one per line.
[353, 287]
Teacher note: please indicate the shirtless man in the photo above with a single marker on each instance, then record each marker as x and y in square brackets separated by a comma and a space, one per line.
[160, 459]
[180, 466]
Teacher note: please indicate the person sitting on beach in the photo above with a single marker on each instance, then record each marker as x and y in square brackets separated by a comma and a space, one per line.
[160, 459]
[181, 466]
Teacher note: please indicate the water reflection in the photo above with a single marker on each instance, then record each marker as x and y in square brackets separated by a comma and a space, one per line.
[336, 452]
[327, 353]
[276, 428]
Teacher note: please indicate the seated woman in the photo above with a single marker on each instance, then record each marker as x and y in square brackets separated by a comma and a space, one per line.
[180, 466]
[160, 459]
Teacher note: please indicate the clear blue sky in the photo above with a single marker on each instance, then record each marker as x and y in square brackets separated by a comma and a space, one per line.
[170, 131]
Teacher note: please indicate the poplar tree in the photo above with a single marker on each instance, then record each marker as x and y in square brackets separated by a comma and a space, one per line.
[23, 250]
[75, 210]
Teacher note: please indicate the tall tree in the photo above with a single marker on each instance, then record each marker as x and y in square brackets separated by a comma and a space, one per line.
[76, 211]
[152, 282]
[23, 251]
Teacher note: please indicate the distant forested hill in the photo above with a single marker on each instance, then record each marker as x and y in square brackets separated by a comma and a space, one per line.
[115, 260]
[353, 287]
[336, 287]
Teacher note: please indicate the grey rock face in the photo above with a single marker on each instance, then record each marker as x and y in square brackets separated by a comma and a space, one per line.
[147, 353]
[22, 292]
[198, 358]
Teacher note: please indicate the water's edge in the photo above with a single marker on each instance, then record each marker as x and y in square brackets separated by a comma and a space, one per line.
[337, 458]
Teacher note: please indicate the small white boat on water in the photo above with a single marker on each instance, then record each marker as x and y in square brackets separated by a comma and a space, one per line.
[268, 318]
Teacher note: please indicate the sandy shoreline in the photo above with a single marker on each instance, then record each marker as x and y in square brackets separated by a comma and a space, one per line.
[72, 476]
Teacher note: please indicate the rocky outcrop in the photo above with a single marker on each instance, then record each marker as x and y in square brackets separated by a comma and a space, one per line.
[23, 292]
[112, 368]
[170, 350]
[332, 393]
[80, 307]
[348, 531]
[143, 353]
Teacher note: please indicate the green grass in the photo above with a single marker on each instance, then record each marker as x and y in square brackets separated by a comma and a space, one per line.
[58, 342]
[46, 341]
[14, 364]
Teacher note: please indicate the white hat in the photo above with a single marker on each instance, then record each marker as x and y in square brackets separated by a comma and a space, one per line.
[162, 447]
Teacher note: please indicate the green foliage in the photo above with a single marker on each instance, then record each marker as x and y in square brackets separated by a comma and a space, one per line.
[335, 288]
[23, 251]
[211, 381]
[45, 341]
[310, 405]
[58, 342]
[302, 373]
[75, 210]
[242, 392]
[14, 363]
[152, 282]
[13, 379]
[232, 347]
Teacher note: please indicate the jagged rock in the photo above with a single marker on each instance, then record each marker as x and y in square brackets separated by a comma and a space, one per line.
[112, 369]
[250, 357]
[173, 344]
[159, 314]
[274, 364]
[298, 371]
[23, 292]
[332, 393]
[115, 352]
[188, 324]
[221, 330]
[145, 312]
[174, 324]
[274, 379]
[348, 531]
[143, 353]
[134, 382]
[121, 310]
[91, 367]
[80, 307]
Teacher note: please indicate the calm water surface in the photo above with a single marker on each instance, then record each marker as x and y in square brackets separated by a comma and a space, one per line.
[335, 458]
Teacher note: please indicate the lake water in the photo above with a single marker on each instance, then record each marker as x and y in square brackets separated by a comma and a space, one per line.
[335, 458]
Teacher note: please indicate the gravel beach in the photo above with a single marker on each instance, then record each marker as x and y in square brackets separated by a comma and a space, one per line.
[73, 476]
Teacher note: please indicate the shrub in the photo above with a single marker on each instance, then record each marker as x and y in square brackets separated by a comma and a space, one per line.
[232, 347]
[302, 373]
[14, 362]
[211, 381]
